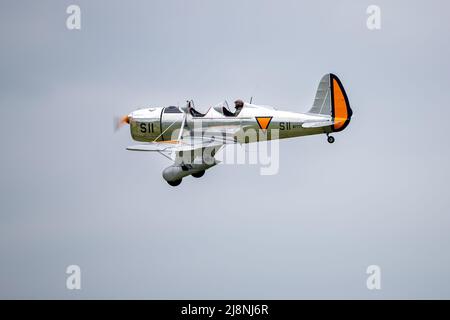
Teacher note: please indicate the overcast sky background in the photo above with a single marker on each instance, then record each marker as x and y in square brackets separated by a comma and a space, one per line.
[71, 194]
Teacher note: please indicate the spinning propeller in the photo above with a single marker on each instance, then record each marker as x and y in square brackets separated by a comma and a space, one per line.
[119, 122]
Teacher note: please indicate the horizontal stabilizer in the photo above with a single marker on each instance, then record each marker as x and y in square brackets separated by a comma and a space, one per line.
[318, 124]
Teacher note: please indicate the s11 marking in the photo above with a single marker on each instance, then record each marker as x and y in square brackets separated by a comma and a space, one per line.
[285, 125]
[146, 127]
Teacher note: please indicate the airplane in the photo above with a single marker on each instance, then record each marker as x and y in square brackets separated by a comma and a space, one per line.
[191, 139]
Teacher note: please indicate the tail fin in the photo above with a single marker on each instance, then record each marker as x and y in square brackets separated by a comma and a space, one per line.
[332, 100]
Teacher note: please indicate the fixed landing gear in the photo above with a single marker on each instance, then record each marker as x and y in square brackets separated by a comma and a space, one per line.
[174, 183]
[330, 139]
[178, 179]
[198, 174]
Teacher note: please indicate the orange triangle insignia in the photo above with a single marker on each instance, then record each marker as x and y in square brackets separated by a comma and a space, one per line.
[263, 122]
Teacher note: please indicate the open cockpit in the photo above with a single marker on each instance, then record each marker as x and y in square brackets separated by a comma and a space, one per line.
[221, 108]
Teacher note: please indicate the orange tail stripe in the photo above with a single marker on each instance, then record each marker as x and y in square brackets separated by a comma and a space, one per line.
[340, 106]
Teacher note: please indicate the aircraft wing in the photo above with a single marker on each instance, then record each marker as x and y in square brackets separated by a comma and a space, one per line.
[202, 141]
[192, 150]
[175, 146]
[193, 139]
[152, 146]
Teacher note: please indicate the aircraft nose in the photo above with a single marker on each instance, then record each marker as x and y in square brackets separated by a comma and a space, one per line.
[129, 117]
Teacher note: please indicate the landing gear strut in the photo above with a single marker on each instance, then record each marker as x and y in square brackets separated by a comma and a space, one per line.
[330, 139]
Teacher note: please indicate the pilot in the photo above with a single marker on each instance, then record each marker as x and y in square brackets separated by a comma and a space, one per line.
[238, 104]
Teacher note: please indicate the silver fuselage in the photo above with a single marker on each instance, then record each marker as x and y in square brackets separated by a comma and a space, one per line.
[163, 123]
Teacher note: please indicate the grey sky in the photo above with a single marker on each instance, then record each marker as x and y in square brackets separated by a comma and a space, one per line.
[72, 194]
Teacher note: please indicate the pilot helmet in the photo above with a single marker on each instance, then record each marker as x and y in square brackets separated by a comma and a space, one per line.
[239, 103]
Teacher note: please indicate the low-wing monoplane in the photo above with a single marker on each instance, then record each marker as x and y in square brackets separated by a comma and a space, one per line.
[191, 139]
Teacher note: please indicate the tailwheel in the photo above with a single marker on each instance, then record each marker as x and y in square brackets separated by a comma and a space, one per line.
[330, 139]
[174, 183]
[198, 174]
